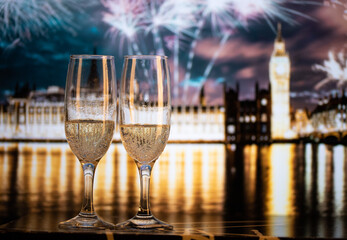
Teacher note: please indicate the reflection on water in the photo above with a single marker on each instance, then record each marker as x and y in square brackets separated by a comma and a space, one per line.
[190, 182]
[48, 177]
[290, 179]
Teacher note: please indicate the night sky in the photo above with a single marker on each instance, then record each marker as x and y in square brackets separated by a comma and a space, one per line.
[41, 59]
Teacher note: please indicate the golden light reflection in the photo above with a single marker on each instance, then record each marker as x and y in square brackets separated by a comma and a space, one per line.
[216, 180]
[338, 160]
[188, 180]
[122, 172]
[3, 171]
[323, 154]
[280, 180]
[188, 183]
[308, 170]
[205, 174]
[159, 183]
[172, 181]
[250, 168]
[63, 170]
[77, 176]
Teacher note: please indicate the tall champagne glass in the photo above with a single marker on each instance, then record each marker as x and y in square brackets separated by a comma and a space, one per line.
[90, 111]
[144, 125]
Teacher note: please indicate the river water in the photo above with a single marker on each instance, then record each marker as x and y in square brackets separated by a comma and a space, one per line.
[190, 182]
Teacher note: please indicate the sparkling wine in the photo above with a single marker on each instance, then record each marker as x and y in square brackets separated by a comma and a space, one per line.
[144, 143]
[89, 139]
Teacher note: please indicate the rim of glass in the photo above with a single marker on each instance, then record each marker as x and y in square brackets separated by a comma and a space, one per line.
[144, 56]
[90, 56]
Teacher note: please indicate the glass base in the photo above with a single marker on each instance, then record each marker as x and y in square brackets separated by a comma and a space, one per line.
[86, 222]
[144, 222]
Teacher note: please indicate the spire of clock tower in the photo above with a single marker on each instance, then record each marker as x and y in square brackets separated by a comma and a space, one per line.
[279, 48]
[279, 32]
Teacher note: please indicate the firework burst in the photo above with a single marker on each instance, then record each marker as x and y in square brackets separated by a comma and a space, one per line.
[269, 10]
[125, 18]
[335, 68]
[338, 3]
[174, 15]
[23, 19]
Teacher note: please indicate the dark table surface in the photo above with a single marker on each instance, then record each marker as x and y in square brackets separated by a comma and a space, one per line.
[44, 225]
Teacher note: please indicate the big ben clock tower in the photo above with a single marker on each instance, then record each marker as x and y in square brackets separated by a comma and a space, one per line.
[279, 79]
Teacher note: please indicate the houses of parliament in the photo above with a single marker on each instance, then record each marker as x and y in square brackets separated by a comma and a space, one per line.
[40, 114]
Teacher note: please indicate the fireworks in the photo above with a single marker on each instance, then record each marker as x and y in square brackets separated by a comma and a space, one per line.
[189, 17]
[23, 19]
[174, 15]
[125, 18]
[335, 68]
[269, 10]
[338, 3]
[129, 21]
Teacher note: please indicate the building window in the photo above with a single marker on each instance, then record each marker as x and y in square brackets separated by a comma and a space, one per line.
[263, 128]
[253, 118]
[263, 117]
[247, 119]
[241, 119]
[231, 129]
[263, 102]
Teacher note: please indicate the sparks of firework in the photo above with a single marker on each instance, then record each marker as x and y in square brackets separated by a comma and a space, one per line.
[270, 10]
[174, 15]
[220, 13]
[27, 18]
[125, 18]
[336, 4]
[221, 18]
[335, 68]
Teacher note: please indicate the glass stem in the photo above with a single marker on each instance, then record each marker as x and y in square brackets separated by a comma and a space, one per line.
[145, 177]
[87, 205]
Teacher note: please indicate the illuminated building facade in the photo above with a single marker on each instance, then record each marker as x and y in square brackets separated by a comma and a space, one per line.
[330, 115]
[247, 121]
[301, 123]
[40, 115]
[279, 79]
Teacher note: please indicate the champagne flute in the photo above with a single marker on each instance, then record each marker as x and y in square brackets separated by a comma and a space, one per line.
[144, 120]
[90, 111]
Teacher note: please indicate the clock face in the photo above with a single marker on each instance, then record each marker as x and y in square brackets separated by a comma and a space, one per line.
[280, 69]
